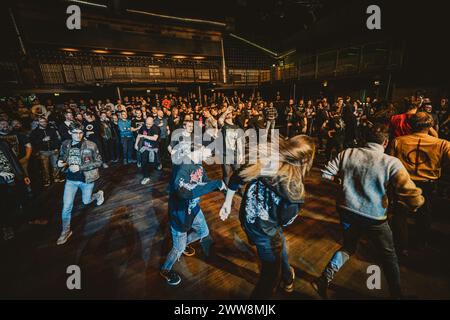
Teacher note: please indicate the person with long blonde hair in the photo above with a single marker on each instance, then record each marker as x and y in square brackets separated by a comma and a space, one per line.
[272, 199]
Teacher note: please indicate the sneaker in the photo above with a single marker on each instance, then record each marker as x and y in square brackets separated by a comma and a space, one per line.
[145, 181]
[64, 237]
[99, 197]
[289, 287]
[125, 162]
[189, 251]
[139, 165]
[321, 287]
[159, 167]
[172, 278]
[8, 233]
[105, 165]
[47, 184]
[58, 180]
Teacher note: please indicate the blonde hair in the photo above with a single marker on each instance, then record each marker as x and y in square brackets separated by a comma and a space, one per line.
[296, 157]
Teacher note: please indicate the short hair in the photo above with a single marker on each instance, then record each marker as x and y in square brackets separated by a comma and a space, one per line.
[378, 133]
[75, 126]
[421, 121]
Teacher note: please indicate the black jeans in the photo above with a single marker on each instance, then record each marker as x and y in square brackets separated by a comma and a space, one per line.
[108, 149]
[380, 234]
[9, 193]
[422, 216]
[146, 163]
[273, 256]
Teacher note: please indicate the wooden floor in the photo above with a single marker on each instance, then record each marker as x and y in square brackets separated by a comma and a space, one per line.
[120, 246]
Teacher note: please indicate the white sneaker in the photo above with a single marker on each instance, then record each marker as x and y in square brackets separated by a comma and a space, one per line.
[105, 166]
[64, 237]
[99, 197]
[145, 181]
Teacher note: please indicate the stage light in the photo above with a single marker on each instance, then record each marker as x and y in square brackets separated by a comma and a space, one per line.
[56, 94]
[325, 83]
[148, 91]
[179, 57]
[90, 3]
[70, 49]
[159, 55]
[199, 58]
[100, 51]
[273, 65]
[376, 82]
[128, 53]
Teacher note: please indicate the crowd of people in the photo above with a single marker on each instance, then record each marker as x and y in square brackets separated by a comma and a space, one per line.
[369, 147]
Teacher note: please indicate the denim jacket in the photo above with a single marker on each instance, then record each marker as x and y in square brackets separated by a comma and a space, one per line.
[91, 159]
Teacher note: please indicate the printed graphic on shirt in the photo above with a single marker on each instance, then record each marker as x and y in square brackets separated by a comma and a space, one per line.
[4, 163]
[258, 202]
[196, 179]
[74, 157]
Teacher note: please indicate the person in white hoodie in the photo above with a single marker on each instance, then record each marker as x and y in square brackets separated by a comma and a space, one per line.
[364, 175]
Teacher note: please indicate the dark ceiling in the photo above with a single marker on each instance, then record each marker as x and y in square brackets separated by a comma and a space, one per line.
[263, 21]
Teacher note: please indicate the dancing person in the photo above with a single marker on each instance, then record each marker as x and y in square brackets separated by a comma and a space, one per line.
[147, 145]
[232, 148]
[81, 159]
[272, 201]
[187, 184]
[364, 175]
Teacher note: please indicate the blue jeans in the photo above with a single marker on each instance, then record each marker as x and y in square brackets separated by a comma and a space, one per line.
[70, 190]
[380, 234]
[181, 239]
[273, 255]
[127, 148]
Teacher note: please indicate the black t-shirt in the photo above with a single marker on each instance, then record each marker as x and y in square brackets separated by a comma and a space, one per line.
[136, 123]
[17, 142]
[92, 131]
[154, 130]
[74, 158]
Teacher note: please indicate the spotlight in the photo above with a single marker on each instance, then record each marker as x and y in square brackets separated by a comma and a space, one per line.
[376, 82]
[198, 58]
[325, 83]
[100, 51]
[70, 49]
[179, 57]
[160, 55]
[56, 94]
[127, 53]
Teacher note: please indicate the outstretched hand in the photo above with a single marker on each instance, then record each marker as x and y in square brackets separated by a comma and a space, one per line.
[225, 211]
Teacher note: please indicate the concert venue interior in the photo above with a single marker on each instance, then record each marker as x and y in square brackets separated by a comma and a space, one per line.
[96, 94]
